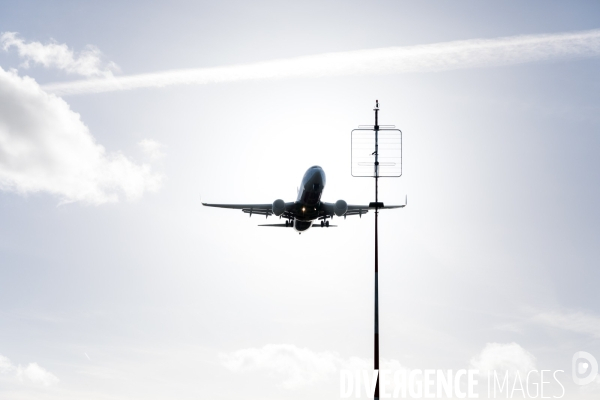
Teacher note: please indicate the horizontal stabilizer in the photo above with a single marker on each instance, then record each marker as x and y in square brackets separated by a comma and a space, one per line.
[289, 226]
[277, 225]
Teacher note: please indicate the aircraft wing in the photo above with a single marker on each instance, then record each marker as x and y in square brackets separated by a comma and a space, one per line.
[258, 209]
[360, 210]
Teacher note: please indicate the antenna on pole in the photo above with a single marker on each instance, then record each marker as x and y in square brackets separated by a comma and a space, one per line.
[376, 152]
[364, 165]
[376, 109]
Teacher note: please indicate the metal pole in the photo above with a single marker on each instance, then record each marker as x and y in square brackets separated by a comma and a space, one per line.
[376, 356]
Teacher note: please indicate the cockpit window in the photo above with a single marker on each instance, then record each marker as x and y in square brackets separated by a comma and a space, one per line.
[315, 166]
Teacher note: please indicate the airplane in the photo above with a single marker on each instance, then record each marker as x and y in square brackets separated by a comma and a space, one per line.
[308, 207]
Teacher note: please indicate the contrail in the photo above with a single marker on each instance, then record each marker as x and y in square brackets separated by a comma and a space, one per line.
[474, 53]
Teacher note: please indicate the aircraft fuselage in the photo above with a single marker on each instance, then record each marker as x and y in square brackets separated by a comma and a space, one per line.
[308, 202]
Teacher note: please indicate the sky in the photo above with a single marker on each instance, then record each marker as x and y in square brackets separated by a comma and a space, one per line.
[118, 119]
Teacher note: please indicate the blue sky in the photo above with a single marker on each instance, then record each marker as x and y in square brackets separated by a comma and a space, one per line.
[116, 283]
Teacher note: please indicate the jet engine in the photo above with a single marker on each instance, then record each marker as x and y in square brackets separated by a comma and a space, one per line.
[278, 207]
[340, 208]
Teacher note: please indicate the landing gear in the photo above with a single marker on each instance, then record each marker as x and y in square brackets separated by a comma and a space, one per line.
[327, 224]
[322, 223]
[287, 223]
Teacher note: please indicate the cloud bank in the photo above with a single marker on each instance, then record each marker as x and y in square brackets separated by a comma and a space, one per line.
[45, 147]
[297, 367]
[53, 55]
[32, 373]
[392, 60]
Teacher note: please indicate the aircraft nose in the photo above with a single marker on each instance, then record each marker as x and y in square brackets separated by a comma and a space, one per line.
[321, 175]
[318, 177]
[314, 178]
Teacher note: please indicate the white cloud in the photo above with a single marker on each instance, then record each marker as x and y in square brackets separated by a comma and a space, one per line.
[32, 373]
[474, 53]
[54, 55]
[503, 357]
[36, 374]
[295, 366]
[152, 149]
[45, 147]
[579, 322]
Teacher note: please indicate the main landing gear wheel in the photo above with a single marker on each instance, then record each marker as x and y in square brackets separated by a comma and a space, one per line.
[327, 224]
[287, 223]
[322, 223]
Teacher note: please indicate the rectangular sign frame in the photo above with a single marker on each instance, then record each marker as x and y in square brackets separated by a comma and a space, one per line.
[362, 147]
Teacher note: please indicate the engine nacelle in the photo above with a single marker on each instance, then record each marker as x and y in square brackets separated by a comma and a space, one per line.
[340, 207]
[278, 207]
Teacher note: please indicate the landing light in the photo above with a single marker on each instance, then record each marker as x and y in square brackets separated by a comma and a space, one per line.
[303, 209]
